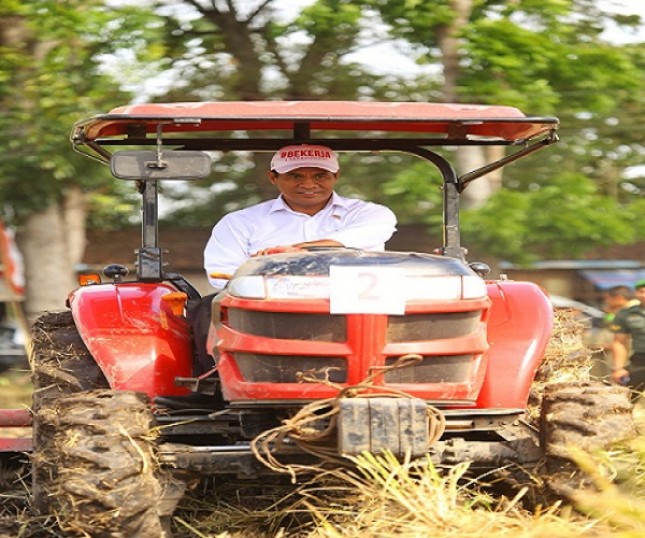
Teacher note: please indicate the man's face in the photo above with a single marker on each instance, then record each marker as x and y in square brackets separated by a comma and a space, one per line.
[306, 190]
[614, 302]
[640, 294]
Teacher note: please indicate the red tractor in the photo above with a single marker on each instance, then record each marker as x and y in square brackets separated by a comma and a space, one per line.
[414, 353]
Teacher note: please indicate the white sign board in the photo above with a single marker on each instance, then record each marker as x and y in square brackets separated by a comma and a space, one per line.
[366, 290]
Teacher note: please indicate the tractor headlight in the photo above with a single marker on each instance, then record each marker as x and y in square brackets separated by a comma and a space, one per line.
[444, 288]
[248, 287]
[280, 287]
[413, 287]
[473, 287]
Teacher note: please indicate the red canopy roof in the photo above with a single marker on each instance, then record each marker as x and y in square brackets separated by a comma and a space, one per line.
[449, 121]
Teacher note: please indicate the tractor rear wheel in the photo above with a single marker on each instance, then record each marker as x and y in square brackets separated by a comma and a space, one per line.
[61, 362]
[585, 416]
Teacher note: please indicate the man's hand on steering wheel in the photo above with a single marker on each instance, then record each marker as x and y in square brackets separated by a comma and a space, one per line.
[277, 250]
[298, 247]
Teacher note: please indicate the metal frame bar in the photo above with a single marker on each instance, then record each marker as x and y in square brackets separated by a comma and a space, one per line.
[149, 256]
[300, 135]
[479, 172]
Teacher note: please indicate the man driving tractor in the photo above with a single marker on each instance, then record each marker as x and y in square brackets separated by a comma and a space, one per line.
[307, 213]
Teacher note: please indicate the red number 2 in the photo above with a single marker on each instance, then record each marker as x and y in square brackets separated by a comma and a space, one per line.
[370, 284]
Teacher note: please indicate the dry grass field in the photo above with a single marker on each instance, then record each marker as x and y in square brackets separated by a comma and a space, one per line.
[15, 389]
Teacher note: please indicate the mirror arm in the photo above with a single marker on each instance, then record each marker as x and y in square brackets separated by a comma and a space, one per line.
[552, 138]
[149, 257]
[159, 164]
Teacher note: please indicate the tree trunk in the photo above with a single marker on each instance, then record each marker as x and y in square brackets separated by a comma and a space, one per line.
[448, 41]
[478, 191]
[75, 217]
[47, 250]
[467, 158]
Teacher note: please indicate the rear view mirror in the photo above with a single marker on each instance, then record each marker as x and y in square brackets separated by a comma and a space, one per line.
[147, 166]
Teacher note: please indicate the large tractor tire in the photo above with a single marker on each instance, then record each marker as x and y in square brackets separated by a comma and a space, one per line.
[584, 416]
[61, 365]
[102, 449]
[93, 465]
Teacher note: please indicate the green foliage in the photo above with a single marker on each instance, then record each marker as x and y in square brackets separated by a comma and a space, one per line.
[547, 58]
[416, 21]
[508, 64]
[416, 193]
[49, 78]
[329, 19]
[560, 220]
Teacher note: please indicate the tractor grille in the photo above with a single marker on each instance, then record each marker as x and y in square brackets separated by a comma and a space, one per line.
[417, 327]
[277, 366]
[433, 369]
[289, 368]
[320, 327]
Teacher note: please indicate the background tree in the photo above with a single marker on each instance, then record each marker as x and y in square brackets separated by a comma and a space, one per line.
[520, 226]
[49, 78]
[248, 51]
[547, 58]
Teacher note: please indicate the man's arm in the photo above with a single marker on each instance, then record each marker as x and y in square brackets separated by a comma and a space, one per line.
[368, 228]
[619, 356]
[298, 246]
[225, 250]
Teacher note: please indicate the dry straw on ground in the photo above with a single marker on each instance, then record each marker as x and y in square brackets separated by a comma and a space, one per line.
[384, 497]
[566, 358]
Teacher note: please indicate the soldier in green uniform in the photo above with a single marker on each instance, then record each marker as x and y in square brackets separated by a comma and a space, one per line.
[629, 323]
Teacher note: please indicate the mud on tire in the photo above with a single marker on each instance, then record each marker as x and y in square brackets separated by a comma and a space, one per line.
[61, 363]
[587, 416]
[103, 481]
[92, 463]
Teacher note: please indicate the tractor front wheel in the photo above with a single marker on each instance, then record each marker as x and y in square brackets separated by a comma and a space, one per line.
[93, 464]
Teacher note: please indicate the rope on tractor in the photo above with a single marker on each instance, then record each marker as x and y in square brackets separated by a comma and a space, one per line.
[301, 428]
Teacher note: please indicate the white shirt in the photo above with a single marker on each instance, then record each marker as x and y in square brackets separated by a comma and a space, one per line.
[240, 234]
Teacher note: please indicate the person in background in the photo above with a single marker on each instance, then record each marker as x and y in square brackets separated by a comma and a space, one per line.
[307, 213]
[616, 299]
[629, 328]
[599, 338]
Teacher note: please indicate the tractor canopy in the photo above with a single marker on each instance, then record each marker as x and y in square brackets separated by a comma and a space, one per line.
[345, 126]
[216, 125]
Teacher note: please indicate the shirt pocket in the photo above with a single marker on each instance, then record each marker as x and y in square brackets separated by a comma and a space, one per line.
[635, 323]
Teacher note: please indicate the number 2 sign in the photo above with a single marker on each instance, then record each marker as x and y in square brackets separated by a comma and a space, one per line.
[366, 290]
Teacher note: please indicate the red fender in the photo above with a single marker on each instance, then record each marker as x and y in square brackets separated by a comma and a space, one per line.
[519, 328]
[134, 336]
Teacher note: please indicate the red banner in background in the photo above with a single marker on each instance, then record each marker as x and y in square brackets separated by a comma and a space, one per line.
[12, 269]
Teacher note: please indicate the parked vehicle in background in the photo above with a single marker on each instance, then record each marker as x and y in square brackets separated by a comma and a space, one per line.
[565, 303]
[12, 348]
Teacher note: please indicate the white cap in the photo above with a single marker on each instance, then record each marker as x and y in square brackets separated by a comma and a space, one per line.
[304, 156]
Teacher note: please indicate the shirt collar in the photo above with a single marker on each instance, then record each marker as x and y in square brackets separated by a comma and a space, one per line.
[339, 201]
[336, 201]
